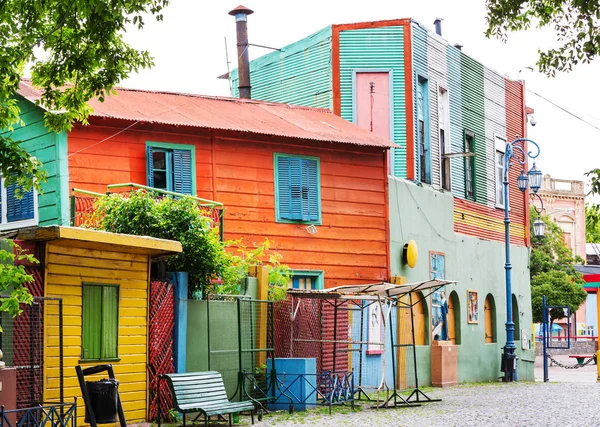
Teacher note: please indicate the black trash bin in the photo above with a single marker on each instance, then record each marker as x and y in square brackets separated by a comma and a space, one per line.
[103, 398]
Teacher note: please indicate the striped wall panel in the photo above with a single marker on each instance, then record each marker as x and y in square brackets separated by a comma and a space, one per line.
[473, 114]
[456, 122]
[372, 49]
[438, 72]
[299, 74]
[495, 126]
[420, 69]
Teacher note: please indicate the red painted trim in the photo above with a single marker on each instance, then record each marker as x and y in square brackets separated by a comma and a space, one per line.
[335, 69]
[374, 24]
[591, 278]
[387, 215]
[410, 128]
[526, 195]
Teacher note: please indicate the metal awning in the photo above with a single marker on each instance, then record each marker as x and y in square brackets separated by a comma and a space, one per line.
[371, 291]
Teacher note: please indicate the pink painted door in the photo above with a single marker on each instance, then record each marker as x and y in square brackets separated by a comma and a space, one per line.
[372, 102]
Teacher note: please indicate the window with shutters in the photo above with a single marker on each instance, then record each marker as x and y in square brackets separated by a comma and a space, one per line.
[100, 323]
[171, 167]
[297, 189]
[469, 165]
[18, 208]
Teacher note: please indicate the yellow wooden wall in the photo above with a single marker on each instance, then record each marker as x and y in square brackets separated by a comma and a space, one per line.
[67, 267]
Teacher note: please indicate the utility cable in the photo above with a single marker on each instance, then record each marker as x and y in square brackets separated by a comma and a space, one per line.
[563, 109]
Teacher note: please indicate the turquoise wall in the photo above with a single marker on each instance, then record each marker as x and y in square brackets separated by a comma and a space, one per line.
[299, 74]
[426, 216]
[51, 149]
[373, 49]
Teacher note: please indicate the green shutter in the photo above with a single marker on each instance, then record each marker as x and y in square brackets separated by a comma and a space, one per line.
[284, 196]
[110, 319]
[182, 171]
[92, 322]
[310, 183]
[295, 189]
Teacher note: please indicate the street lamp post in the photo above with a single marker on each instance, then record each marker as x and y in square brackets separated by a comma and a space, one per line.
[533, 179]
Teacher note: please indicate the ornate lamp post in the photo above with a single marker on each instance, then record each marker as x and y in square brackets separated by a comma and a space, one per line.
[533, 180]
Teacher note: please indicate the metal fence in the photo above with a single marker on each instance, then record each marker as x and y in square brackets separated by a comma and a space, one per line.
[52, 414]
[23, 346]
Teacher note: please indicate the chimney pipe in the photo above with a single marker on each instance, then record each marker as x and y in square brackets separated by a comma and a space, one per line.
[438, 26]
[458, 46]
[241, 17]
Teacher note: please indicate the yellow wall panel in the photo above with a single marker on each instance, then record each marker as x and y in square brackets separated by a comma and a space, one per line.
[67, 268]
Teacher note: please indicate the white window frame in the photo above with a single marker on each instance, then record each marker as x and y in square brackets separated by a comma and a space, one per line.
[17, 224]
[444, 124]
[500, 148]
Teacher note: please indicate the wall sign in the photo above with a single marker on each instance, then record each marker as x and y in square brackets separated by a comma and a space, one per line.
[375, 329]
[472, 307]
[410, 254]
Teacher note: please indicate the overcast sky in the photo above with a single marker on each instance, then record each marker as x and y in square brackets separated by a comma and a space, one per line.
[189, 51]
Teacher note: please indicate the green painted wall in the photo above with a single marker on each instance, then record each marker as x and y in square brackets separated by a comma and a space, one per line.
[51, 149]
[372, 49]
[299, 74]
[473, 118]
[425, 215]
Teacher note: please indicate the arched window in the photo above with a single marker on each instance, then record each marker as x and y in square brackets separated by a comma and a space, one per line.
[454, 318]
[420, 319]
[489, 318]
[516, 317]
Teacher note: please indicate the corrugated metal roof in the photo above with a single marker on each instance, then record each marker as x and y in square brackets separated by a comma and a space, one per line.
[233, 114]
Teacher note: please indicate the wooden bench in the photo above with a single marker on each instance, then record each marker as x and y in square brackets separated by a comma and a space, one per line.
[203, 392]
[581, 358]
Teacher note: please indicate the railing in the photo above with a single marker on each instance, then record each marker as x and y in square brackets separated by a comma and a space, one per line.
[52, 414]
[572, 338]
[83, 203]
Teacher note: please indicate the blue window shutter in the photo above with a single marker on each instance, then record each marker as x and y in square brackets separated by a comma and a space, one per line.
[182, 171]
[284, 188]
[310, 182]
[19, 209]
[295, 188]
[150, 162]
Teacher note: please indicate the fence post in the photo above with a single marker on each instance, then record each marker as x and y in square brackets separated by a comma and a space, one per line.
[262, 274]
[180, 281]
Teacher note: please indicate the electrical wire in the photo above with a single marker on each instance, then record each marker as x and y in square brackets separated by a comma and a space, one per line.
[563, 109]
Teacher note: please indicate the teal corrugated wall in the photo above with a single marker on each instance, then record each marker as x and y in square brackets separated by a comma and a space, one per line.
[51, 149]
[299, 74]
[456, 124]
[473, 118]
[419, 61]
[372, 49]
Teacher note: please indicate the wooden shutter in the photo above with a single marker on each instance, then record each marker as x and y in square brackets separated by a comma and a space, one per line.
[295, 188]
[149, 167]
[182, 171]
[19, 209]
[110, 318]
[310, 181]
[92, 322]
[284, 186]
[488, 321]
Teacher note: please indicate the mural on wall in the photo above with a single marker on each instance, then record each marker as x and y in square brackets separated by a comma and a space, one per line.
[473, 307]
[375, 329]
[439, 304]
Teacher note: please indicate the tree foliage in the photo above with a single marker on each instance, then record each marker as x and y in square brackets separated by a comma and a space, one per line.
[74, 50]
[592, 223]
[553, 273]
[212, 268]
[576, 24]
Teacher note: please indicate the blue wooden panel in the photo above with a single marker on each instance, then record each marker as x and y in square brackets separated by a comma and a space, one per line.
[182, 171]
[19, 209]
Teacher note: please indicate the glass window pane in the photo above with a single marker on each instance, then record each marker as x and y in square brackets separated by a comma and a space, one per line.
[159, 159]
[160, 179]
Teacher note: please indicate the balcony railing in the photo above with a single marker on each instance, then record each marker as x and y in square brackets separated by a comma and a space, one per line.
[83, 203]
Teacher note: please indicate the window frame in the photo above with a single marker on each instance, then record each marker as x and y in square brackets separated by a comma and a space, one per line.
[318, 277]
[424, 158]
[84, 359]
[170, 146]
[469, 160]
[5, 225]
[500, 148]
[278, 219]
[444, 129]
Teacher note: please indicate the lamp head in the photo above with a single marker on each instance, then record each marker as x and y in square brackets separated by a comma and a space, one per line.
[539, 228]
[522, 181]
[535, 178]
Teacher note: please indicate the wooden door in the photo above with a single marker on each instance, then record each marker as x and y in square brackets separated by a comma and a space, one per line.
[419, 319]
[487, 317]
[450, 318]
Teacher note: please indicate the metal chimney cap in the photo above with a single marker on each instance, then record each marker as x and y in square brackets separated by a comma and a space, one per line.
[241, 9]
[438, 20]
[458, 46]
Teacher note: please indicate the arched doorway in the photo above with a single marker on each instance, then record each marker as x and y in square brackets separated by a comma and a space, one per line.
[454, 318]
[516, 317]
[420, 319]
[489, 317]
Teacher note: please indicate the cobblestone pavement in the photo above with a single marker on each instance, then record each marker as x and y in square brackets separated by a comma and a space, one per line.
[571, 398]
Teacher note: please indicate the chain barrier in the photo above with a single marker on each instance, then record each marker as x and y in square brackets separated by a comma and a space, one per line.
[577, 366]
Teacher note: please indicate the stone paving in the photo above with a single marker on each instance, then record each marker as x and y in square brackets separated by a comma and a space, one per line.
[571, 398]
